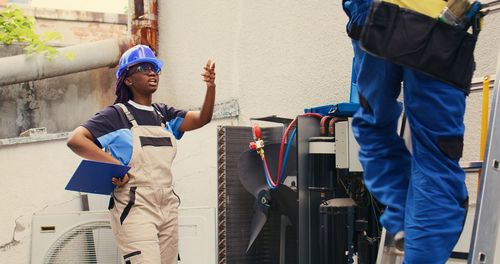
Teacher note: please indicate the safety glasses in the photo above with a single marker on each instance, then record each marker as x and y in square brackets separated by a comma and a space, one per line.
[144, 68]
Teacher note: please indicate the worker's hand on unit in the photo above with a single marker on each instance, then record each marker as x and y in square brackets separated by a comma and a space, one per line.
[209, 74]
[119, 182]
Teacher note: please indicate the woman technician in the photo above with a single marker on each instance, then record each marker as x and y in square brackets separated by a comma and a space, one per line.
[142, 135]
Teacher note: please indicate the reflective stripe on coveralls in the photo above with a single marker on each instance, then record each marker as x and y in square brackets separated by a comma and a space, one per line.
[424, 190]
[144, 215]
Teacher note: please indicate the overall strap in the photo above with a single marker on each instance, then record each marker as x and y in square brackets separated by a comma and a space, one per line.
[163, 119]
[127, 113]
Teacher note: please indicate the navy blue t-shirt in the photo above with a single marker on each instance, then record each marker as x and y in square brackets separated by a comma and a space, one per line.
[111, 128]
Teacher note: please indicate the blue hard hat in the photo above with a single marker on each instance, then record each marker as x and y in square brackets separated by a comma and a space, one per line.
[135, 55]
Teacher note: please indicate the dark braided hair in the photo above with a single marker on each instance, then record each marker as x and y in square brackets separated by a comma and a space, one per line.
[123, 93]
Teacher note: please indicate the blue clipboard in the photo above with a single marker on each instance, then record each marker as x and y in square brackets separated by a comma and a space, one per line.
[95, 177]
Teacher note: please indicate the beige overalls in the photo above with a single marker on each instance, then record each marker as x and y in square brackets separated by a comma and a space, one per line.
[144, 215]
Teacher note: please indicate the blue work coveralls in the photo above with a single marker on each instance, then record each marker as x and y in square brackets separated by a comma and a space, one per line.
[424, 191]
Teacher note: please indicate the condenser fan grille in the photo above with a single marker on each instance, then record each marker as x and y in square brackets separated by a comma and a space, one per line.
[236, 205]
[87, 243]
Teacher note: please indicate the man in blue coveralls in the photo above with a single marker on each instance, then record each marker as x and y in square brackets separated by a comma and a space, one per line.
[424, 191]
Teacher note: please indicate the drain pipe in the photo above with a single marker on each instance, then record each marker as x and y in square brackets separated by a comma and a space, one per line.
[88, 56]
[143, 20]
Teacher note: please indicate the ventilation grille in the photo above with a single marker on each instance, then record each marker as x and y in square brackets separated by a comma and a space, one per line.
[87, 243]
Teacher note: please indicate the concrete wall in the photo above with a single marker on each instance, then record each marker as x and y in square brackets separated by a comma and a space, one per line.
[35, 171]
[34, 176]
[62, 103]
[58, 104]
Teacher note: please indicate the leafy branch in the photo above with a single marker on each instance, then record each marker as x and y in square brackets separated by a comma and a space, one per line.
[16, 27]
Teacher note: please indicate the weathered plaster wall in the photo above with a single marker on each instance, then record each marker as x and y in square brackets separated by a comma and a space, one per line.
[61, 103]
[34, 174]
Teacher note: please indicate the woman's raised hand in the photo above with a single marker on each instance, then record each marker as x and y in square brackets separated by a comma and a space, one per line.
[209, 74]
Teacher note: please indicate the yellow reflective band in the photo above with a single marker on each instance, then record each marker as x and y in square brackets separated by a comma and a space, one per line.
[430, 8]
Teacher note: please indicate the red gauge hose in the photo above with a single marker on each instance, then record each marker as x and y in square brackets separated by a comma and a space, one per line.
[257, 133]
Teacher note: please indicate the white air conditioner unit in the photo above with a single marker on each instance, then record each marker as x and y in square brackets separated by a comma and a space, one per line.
[73, 237]
[86, 237]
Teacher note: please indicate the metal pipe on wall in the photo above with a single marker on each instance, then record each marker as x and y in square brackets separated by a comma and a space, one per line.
[87, 56]
[143, 17]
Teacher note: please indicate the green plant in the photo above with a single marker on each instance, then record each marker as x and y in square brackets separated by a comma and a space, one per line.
[16, 27]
